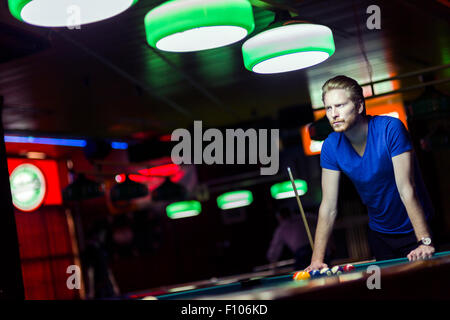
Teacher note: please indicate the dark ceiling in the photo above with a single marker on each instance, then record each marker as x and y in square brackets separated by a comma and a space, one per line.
[105, 81]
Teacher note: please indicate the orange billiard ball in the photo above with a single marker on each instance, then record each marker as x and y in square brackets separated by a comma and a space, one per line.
[302, 275]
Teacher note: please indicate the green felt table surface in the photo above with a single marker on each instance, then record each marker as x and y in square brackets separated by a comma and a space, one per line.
[262, 282]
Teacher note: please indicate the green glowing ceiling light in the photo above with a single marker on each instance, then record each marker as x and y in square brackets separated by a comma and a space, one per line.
[66, 13]
[194, 25]
[183, 209]
[284, 189]
[288, 46]
[234, 199]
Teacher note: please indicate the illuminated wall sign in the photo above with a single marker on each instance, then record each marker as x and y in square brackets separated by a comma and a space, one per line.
[28, 187]
[51, 171]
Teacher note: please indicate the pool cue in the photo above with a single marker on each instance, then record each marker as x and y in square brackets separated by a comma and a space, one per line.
[311, 242]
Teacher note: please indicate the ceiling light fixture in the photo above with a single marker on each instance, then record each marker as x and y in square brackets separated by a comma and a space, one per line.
[194, 25]
[284, 190]
[286, 45]
[234, 199]
[183, 209]
[65, 13]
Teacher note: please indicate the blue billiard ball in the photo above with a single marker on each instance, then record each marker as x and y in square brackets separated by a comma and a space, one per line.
[314, 274]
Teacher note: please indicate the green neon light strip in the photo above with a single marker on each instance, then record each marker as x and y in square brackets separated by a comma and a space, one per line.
[183, 209]
[192, 23]
[284, 190]
[234, 199]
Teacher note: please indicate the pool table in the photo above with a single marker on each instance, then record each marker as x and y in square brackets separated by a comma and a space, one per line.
[399, 279]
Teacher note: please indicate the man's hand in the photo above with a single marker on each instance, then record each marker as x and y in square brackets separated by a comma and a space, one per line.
[316, 265]
[421, 252]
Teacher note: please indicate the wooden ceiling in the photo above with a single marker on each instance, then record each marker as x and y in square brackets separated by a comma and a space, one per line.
[104, 81]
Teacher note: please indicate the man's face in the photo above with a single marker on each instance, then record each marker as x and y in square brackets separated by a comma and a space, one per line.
[341, 111]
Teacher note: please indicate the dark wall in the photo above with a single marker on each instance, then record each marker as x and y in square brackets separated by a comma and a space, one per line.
[217, 242]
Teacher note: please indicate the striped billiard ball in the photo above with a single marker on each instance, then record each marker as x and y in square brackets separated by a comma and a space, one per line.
[337, 270]
[301, 275]
[325, 272]
[348, 268]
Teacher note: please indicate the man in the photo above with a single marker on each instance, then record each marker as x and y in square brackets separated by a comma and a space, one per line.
[292, 233]
[101, 283]
[376, 154]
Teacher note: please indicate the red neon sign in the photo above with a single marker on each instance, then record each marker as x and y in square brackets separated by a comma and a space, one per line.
[162, 171]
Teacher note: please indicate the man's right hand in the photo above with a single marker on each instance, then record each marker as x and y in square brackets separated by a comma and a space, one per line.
[316, 265]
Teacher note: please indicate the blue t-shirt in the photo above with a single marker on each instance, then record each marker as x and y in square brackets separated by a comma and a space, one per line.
[373, 173]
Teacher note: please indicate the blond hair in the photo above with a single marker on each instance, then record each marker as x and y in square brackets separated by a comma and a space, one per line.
[348, 84]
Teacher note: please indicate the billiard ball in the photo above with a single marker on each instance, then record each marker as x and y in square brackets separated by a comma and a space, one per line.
[325, 272]
[301, 275]
[348, 268]
[314, 274]
[337, 270]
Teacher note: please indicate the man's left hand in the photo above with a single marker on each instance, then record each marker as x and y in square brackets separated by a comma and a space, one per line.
[421, 252]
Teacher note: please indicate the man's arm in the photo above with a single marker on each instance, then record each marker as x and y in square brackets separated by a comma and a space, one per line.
[276, 247]
[113, 282]
[327, 215]
[404, 178]
[91, 283]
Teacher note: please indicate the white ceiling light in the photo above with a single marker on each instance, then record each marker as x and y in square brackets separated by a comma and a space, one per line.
[66, 13]
[287, 46]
